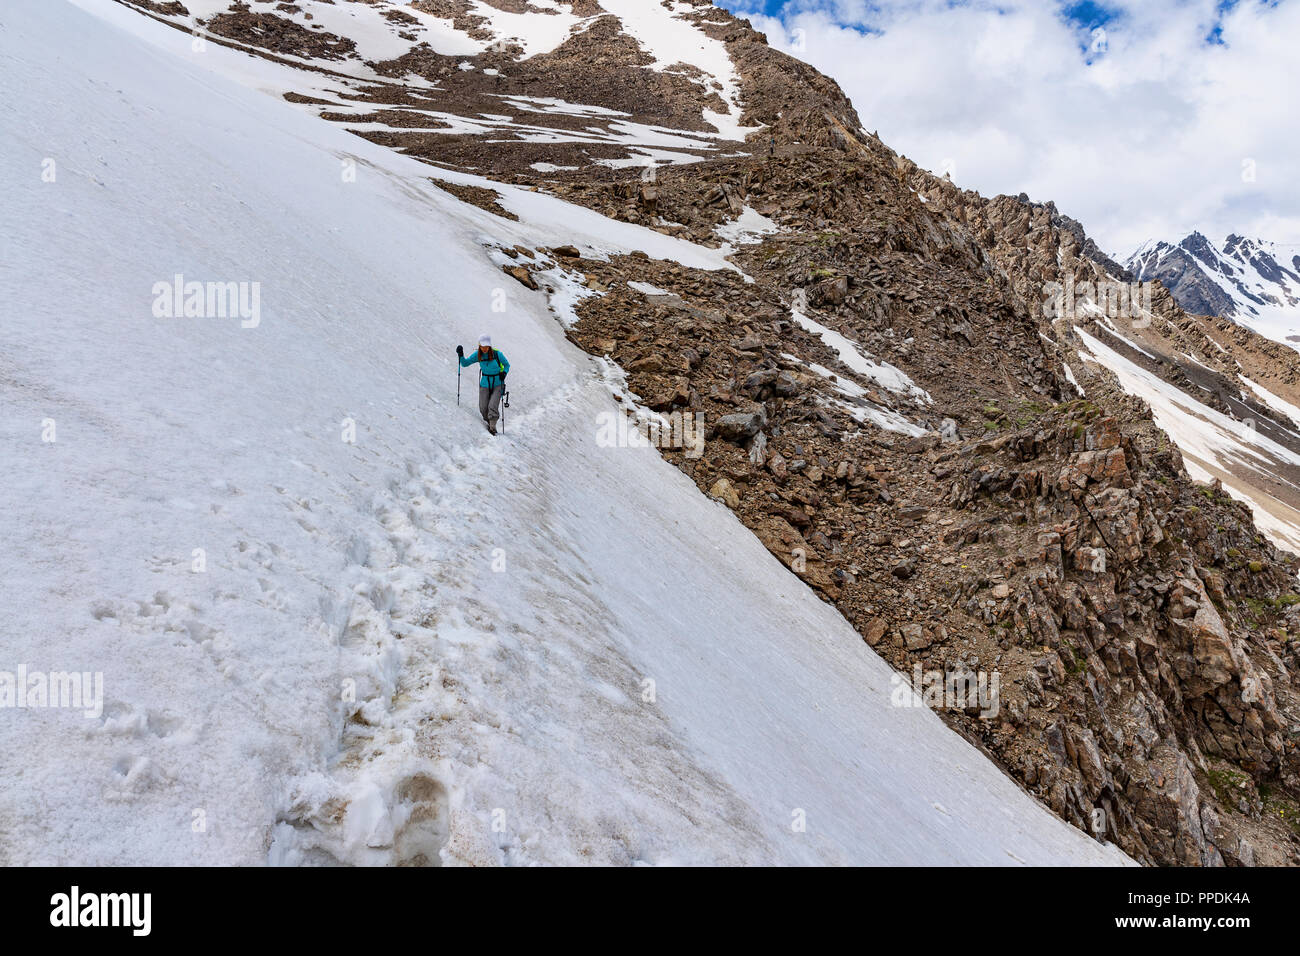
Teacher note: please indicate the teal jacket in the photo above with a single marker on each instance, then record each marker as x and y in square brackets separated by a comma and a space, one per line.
[493, 368]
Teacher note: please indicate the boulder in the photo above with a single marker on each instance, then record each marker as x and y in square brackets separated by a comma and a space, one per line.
[875, 631]
[742, 426]
[725, 492]
[521, 274]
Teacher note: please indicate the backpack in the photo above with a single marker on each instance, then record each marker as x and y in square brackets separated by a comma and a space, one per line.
[494, 378]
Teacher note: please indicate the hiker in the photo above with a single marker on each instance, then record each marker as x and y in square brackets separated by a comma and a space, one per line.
[493, 367]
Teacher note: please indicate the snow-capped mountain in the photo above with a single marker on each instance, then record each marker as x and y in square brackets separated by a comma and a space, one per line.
[1252, 281]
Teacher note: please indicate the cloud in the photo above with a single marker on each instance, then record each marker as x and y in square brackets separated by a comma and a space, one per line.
[1141, 120]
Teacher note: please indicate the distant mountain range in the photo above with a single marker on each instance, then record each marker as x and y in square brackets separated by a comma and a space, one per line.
[1254, 282]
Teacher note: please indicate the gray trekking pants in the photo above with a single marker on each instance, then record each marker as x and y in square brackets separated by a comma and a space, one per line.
[489, 403]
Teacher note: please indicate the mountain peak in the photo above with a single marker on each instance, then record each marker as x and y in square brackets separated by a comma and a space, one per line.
[1239, 278]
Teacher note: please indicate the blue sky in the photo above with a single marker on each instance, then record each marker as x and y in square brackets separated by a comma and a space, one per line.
[1141, 119]
[1084, 14]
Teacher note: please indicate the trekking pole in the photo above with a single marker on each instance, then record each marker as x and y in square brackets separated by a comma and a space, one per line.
[457, 384]
[505, 403]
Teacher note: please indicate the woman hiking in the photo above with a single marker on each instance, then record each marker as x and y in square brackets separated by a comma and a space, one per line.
[493, 367]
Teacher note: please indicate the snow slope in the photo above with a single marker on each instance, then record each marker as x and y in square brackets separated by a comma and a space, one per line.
[422, 646]
[341, 82]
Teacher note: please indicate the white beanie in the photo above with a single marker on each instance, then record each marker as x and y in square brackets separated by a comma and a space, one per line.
[485, 339]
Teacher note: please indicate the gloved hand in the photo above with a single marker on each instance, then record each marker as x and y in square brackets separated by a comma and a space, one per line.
[460, 350]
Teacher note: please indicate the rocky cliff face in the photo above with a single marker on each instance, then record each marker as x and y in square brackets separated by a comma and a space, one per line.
[887, 402]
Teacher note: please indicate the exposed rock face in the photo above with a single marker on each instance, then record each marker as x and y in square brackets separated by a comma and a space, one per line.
[938, 478]
[1040, 551]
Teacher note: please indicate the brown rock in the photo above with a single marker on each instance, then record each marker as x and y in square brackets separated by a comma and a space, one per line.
[521, 274]
[875, 631]
[726, 492]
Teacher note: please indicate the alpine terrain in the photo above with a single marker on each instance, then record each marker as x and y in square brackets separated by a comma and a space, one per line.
[1253, 281]
[840, 515]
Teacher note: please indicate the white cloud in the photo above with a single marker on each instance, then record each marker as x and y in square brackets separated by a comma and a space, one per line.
[1148, 140]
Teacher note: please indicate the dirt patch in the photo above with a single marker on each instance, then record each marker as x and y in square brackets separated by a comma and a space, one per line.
[477, 196]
